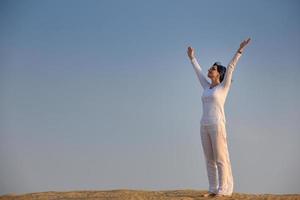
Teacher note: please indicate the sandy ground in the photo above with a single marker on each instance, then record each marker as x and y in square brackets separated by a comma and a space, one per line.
[125, 194]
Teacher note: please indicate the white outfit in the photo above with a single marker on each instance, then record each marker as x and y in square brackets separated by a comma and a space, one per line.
[213, 129]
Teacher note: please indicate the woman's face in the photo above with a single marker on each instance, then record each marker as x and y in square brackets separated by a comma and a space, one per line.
[213, 72]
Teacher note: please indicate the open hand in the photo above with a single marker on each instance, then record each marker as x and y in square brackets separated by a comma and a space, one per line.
[191, 52]
[244, 44]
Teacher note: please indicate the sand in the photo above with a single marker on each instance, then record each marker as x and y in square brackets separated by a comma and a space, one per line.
[125, 194]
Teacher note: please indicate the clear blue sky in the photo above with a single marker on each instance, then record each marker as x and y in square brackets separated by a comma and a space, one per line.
[101, 94]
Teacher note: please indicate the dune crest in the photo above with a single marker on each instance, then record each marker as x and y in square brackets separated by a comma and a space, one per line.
[129, 194]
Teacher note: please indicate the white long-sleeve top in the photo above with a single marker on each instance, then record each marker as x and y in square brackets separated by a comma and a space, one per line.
[213, 99]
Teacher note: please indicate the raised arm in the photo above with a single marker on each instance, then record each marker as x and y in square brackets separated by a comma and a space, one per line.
[229, 71]
[201, 76]
[232, 64]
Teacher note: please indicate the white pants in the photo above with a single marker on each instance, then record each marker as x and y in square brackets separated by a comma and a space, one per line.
[214, 144]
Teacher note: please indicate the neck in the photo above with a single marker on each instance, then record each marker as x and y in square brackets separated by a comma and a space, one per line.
[214, 82]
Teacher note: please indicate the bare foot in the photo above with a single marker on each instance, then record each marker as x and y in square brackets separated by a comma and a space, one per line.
[209, 194]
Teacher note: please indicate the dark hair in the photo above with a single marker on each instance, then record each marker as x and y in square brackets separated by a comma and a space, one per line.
[221, 69]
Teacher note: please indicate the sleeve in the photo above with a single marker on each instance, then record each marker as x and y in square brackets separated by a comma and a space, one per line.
[204, 83]
[229, 71]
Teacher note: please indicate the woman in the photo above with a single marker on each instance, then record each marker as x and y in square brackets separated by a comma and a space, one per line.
[213, 122]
